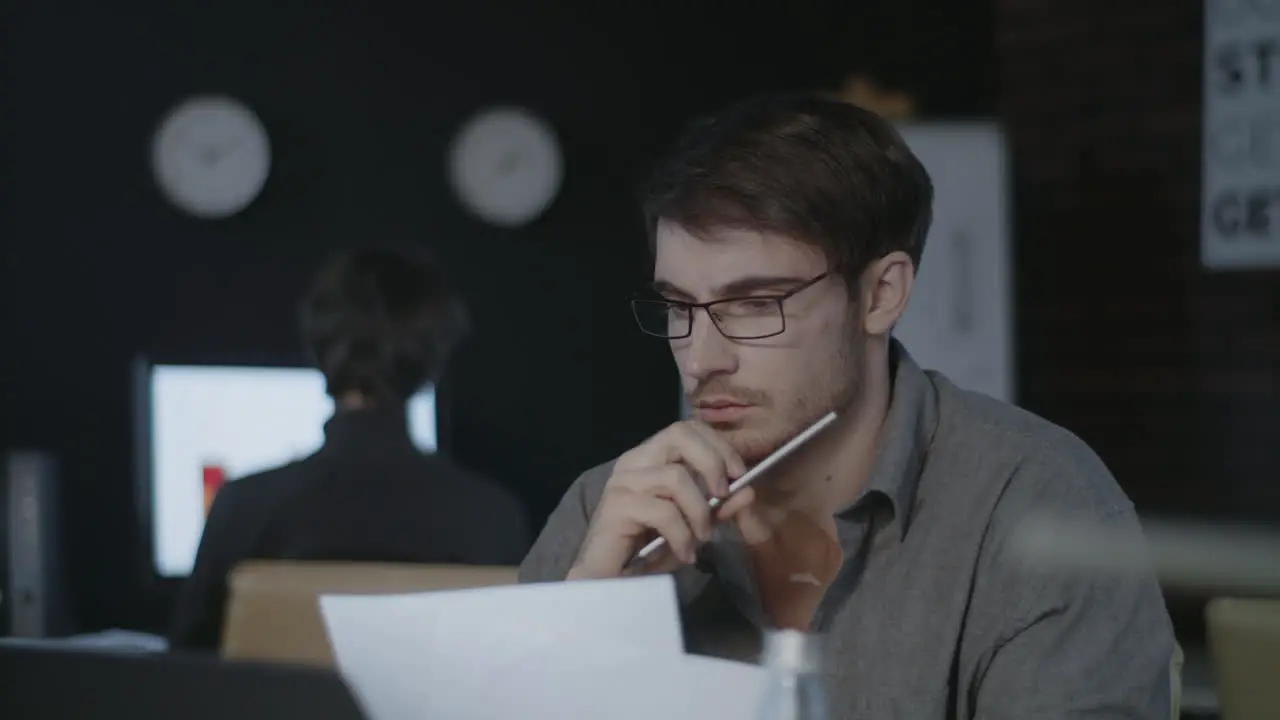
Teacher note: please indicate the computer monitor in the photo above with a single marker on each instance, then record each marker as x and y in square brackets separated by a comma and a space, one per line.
[205, 425]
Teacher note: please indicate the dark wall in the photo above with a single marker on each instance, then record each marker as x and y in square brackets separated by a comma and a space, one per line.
[360, 100]
[1168, 370]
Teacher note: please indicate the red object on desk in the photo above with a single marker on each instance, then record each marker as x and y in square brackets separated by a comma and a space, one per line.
[214, 477]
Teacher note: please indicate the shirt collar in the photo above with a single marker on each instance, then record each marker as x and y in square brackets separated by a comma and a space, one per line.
[901, 448]
[367, 431]
[904, 440]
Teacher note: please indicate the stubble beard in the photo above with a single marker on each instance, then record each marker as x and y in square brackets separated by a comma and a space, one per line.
[837, 385]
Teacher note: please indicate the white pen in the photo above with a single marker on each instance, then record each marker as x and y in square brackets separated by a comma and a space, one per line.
[749, 477]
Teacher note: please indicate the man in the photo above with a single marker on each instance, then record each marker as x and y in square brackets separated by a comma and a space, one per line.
[380, 325]
[786, 233]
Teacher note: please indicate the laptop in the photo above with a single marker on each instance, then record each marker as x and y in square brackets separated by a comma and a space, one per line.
[38, 683]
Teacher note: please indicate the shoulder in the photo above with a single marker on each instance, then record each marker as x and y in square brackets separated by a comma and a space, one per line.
[257, 493]
[240, 514]
[1019, 457]
[584, 493]
[462, 492]
[557, 545]
[1052, 498]
[589, 486]
[1036, 597]
[478, 489]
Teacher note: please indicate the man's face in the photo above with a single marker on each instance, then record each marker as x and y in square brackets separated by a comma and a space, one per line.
[760, 393]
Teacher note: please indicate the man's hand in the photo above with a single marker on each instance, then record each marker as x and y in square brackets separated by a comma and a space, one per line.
[661, 487]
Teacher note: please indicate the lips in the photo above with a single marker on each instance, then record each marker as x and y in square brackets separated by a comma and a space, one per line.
[719, 405]
[720, 411]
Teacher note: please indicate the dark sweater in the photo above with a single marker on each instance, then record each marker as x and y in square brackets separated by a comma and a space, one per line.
[367, 495]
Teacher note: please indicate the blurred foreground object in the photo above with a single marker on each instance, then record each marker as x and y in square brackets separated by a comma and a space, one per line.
[1201, 557]
[1244, 641]
[794, 691]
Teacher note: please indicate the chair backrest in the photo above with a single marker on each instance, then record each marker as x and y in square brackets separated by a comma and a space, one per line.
[273, 611]
[1244, 643]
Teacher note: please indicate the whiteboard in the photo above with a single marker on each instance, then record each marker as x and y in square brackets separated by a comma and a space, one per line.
[959, 319]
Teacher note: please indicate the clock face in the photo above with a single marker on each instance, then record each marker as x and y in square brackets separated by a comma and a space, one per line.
[211, 156]
[506, 167]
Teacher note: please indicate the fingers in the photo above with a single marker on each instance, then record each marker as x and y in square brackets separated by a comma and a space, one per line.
[693, 444]
[753, 522]
[732, 507]
[675, 484]
[665, 518]
[731, 463]
[661, 487]
[664, 560]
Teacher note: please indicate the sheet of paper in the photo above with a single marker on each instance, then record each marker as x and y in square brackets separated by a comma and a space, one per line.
[488, 652]
[636, 613]
[559, 685]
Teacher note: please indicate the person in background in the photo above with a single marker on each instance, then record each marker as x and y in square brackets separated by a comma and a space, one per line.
[380, 325]
[786, 233]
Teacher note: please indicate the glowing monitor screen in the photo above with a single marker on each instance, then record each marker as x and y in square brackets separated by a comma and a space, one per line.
[209, 425]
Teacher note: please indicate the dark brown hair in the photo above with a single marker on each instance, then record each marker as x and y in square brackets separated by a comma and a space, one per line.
[820, 171]
[381, 322]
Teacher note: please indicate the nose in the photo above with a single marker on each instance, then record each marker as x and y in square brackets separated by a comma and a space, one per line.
[707, 352]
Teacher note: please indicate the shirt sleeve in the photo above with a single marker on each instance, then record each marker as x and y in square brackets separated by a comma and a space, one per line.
[1068, 641]
[556, 548]
[554, 551]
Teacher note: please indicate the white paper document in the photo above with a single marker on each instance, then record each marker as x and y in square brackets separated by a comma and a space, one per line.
[590, 649]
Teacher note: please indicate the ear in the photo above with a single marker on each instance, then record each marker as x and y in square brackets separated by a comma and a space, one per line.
[886, 286]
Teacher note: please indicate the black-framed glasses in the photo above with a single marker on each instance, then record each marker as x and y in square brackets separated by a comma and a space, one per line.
[752, 317]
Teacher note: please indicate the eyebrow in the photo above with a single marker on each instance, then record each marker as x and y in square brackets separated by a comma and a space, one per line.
[736, 288]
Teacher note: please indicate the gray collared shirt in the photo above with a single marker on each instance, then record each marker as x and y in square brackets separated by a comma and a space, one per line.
[932, 614]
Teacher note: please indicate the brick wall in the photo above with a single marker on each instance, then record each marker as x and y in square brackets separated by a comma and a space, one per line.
[1168, 371]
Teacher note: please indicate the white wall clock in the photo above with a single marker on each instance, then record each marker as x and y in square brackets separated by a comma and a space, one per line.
[210, 156]
[505, 166]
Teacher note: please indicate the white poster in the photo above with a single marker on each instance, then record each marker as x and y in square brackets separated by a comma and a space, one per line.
[1240, 207]
[960, 319]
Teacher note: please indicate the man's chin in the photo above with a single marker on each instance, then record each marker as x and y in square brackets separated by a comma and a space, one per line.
[751, 444]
